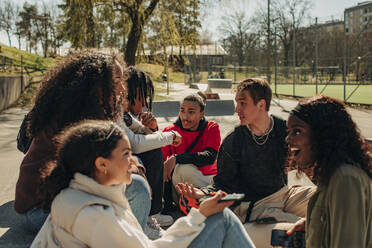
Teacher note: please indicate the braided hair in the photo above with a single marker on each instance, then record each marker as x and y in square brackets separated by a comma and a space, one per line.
[140, 84]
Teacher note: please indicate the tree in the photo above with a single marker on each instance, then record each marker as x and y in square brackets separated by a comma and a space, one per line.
[79, 23]
[139, 12]
[7, 18]
[237, 39]
[163, 27]
[17, 30]
[287, 16]
[26, 25]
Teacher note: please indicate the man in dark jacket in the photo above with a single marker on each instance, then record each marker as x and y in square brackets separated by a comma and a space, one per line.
[251, 160]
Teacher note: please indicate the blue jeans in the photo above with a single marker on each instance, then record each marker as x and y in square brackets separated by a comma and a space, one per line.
[34, 219]
[223, 230]
[138, 194]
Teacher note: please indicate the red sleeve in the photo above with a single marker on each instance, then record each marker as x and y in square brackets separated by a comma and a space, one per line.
[213, 136]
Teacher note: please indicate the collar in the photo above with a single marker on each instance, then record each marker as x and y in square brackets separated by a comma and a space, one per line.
[113, 193]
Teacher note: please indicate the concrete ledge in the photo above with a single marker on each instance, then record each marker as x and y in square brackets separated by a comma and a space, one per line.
[220, 83]
[213, 108]
[369, 140]
[219, 107]
[10, 89]
[165, 108]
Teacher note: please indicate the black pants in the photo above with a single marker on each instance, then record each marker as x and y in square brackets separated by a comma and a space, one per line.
[154, 164]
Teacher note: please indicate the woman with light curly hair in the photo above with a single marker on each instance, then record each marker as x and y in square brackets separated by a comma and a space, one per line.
[326, 144]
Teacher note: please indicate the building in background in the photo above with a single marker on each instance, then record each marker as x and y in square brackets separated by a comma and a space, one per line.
[359, 18]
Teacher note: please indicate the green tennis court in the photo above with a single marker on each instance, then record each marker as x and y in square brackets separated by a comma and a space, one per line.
[354, 93]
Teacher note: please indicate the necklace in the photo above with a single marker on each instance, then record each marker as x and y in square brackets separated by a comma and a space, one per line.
[262, 138]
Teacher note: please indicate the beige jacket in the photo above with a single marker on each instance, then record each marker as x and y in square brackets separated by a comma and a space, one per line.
[340, 215]
[88, 214]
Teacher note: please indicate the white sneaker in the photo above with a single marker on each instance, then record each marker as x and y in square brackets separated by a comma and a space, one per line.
[163, 220]
[153, 229]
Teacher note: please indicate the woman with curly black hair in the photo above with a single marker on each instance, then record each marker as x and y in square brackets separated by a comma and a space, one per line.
[326, 144]
[85, 85]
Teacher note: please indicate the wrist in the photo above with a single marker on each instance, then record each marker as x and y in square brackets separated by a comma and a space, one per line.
[174, 135]
[174, 157]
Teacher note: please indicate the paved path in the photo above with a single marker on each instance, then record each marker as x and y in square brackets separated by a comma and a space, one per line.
[11, 232]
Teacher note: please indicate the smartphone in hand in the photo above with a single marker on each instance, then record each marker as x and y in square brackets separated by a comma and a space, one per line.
[232, 197]
[279, 238]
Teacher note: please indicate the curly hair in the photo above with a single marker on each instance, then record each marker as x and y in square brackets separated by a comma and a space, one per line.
[335, 137]
[90, 139]
[81, 87]
[200, 98]
[140, 81]
[258, 89]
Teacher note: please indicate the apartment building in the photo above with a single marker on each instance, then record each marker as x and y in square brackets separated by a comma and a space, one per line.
[358, 18]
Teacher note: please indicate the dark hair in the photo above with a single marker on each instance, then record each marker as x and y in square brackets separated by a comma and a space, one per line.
[335, 137]
[199, 98]
[141, 81]
[258, 89]
[78, 146]
[81, 87]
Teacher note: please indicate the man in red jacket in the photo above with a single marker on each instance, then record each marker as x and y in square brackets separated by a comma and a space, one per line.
[194, 161]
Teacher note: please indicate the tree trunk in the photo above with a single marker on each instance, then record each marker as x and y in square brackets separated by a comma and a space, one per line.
[10, 41]
[132, 44]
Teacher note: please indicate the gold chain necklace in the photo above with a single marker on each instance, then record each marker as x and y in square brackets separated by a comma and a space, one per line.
[262, 139]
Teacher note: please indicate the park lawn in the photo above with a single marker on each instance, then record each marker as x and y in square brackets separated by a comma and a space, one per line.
[362, 94]
[29, 60]
[156, 73]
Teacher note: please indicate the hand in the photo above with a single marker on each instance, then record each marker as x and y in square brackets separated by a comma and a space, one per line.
[148, 120]
[177, 139]
[189, 191]
[211, 205]
[168, 168]
[298, 226]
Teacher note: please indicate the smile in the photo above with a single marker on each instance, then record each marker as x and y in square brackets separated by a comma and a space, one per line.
[295, 151]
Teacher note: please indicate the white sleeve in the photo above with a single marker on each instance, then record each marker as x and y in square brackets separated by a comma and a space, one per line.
[138, 128]
[142, 143]
[101, 228]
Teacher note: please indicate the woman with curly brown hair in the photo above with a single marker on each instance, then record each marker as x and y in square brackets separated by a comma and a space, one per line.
[87, 208]
[326, 144]
[85, 85]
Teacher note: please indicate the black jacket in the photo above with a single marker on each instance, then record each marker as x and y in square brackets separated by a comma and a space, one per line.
[243, 166]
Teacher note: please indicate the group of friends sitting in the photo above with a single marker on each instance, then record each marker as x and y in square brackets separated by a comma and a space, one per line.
[100, 173]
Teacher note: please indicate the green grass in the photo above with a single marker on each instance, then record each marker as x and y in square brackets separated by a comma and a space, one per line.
[156, 73]
[13, 56]
[362, 94]
[36, 66]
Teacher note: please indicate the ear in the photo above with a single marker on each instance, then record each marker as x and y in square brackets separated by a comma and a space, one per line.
[101, 164]
[202, 114]
[261, 104]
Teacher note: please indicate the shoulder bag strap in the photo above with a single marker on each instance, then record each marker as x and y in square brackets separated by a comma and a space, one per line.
[198, 137]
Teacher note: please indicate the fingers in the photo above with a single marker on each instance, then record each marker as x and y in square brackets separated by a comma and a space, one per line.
[298, 226]
[146, 118]
[292, 230]
[178, 188]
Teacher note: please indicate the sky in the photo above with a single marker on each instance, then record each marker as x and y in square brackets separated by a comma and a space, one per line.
[323, 9]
